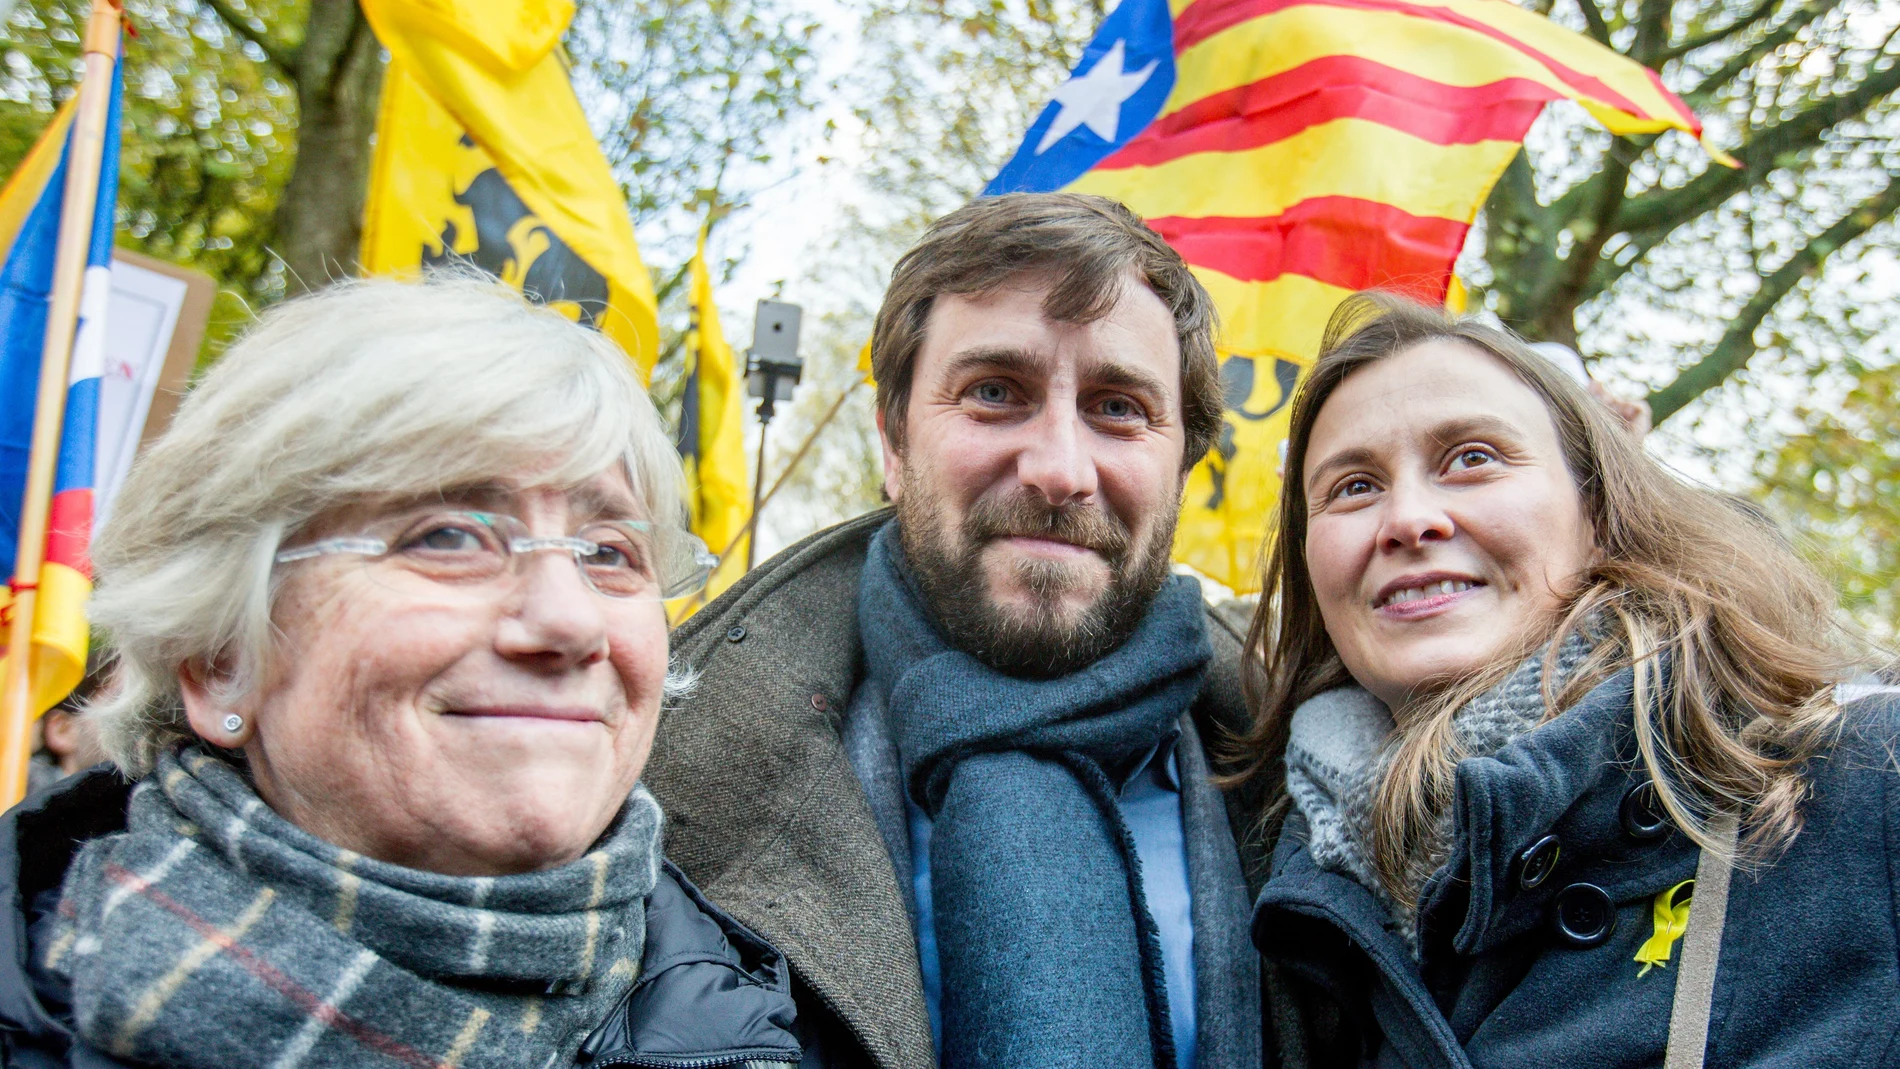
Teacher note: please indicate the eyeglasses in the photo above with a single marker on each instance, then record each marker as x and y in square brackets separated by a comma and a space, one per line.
[472, 552]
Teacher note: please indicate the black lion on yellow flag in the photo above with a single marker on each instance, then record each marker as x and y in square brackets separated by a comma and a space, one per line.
[514, 245]
[1237, 387]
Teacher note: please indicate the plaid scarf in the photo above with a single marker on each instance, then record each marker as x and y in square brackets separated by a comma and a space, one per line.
[213, 932]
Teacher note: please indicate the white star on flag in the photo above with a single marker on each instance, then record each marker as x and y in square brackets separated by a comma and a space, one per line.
[1095, 99]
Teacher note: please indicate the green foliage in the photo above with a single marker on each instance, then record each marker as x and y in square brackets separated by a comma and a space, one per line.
[1678, 270]
[209, 135]
[1837, 487]
[691, 102]
[946, 91]
[686, 97]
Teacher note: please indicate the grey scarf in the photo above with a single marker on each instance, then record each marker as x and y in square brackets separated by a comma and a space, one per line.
[1050, 955]
[1340, 742]
[213, 932]
[1227, 1020]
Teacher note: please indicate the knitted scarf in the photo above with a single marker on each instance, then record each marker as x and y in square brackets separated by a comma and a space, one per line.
[1049, 954]
[1339, 745]
[212, 932]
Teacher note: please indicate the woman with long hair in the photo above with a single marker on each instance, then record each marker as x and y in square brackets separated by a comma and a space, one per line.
[1567, 771]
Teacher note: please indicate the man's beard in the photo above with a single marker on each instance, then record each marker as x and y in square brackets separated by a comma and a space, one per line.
[1044, 640]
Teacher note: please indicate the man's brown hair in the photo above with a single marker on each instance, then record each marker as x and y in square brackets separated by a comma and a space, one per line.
[1086, 245]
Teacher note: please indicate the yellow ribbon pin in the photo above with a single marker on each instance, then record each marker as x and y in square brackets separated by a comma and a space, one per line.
[1672, 919]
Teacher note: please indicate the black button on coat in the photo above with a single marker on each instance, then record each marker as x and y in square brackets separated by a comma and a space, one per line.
[1809, 972]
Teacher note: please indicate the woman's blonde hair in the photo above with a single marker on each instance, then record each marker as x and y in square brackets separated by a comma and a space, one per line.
[1734, 641]
[363, 390]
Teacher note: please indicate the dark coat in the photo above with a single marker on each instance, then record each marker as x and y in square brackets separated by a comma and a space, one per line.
[710, 992]
[764, 811]
[1809, 971]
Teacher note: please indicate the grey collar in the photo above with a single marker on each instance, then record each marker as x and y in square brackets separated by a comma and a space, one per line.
[1337, 747]
[1332, 757]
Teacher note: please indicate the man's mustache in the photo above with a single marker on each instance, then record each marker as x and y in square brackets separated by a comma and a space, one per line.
[1029, 516]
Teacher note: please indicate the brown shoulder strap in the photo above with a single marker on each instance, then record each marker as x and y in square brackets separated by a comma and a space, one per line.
[1701, 951]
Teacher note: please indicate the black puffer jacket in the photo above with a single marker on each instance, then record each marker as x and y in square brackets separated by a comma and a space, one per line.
[710, 993]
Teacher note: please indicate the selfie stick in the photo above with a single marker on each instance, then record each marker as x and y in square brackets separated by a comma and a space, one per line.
[772, 370]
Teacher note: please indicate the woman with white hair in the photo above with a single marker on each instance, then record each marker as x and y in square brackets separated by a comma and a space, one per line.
[1568, 775]
[387, 604]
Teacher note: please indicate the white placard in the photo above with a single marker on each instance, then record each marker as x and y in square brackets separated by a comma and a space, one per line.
[139, 323]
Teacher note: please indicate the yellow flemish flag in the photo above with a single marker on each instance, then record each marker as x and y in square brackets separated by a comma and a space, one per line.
[712, 433]
[483, 155]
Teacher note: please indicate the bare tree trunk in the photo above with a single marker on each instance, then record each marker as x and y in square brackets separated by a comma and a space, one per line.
[338, 71]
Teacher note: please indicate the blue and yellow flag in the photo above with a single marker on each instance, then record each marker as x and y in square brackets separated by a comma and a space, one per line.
[483, 155]
[1294, 151]
[30, 208]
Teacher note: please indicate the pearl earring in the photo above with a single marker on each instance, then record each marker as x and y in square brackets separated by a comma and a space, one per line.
[233, 723]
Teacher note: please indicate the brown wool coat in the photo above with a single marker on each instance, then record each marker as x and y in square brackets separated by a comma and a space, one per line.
[765, 814]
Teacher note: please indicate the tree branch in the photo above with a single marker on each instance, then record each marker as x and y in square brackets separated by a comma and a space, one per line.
[1520, 235]
[284, 59]
[1704, 40]
[1653, 31]
[1737, 344]
[1593, 22]
[1706, 89]
[672, 349]
[666, 288]
[1592, 229]
[1665, 210]
[333, 32]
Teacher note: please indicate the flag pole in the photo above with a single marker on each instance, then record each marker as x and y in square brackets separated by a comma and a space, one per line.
[751, 521]
[101, 50]
[760, 501]
[758, 480]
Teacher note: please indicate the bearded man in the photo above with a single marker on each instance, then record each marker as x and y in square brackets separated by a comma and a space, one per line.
[952, 760]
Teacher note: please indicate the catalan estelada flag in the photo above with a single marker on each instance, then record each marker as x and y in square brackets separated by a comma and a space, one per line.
[30, 207]
[712, 432]
[483, 155]
[1295, 151]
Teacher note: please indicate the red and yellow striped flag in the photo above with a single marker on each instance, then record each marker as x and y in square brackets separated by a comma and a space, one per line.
[1295, 151]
